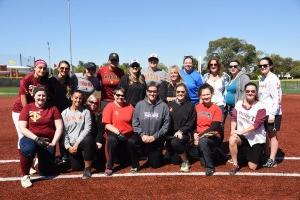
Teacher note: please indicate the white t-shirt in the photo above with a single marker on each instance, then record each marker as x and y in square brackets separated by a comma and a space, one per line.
[245, 118]
[270, 94]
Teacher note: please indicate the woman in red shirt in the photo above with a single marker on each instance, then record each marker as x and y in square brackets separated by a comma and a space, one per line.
[208, 132]
[38, 77]
[117, 119]
[41, 126]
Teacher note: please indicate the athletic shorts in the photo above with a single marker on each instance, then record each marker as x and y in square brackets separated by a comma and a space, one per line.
[273, 127]
[253, 154]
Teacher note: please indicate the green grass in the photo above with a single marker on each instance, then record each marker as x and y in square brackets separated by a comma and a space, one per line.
[8, 91]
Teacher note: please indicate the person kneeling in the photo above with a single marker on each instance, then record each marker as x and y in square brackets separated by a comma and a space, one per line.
[78, 140]
[247, 129]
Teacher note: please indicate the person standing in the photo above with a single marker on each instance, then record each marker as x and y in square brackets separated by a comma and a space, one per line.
[270, 95]
[110, 76]
[153, 73]
[235, 90]
[167, 88]
[134, 84]
[191, 78]
[247, 129]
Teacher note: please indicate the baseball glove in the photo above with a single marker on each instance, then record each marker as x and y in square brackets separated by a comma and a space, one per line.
[42, 142]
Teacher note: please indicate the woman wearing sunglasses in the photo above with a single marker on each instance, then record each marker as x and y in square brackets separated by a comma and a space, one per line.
[270, 95]
[182, 125]
[247, 133]
[134, 83]
[117, 119]
[235, 89]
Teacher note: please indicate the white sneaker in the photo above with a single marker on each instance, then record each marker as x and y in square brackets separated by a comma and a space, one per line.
[32, 171]
[25, 181]
[185, 166]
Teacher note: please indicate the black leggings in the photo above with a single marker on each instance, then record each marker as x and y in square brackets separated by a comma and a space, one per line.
[153, 151]
[85, 152]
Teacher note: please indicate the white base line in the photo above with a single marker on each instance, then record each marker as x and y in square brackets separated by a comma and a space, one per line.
[280, 174]
[278, 158]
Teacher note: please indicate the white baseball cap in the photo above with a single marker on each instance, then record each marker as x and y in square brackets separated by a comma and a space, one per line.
[153, 55]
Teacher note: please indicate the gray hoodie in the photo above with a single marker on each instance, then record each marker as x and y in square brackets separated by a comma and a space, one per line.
[242, 79]
[151, 119]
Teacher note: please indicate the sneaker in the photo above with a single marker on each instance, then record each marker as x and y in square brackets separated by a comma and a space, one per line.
[234, 170]
[25, 181]
[209, 172]
[32, 171]
[134, 170]
[270, 163]
[185, 166]
[87, 173]
[108, 172]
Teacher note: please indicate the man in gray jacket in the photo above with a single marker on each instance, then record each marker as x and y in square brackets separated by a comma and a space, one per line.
[150, 125]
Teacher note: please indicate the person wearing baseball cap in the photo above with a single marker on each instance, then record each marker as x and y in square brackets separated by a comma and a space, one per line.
[88, 83]
[153, 73]
[110, 76]
[134, 83]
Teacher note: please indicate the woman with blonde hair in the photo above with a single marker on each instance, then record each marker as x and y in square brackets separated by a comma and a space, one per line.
[167, 88]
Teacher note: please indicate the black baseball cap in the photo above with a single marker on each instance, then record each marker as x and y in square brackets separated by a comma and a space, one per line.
[113, 56]
[90, 66]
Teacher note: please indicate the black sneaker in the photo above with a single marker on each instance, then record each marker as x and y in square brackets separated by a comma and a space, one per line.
[270, 163]
[209, 172]
[234, 170]
[87, 173]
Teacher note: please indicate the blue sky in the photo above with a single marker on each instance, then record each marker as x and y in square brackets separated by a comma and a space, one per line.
[136, 28]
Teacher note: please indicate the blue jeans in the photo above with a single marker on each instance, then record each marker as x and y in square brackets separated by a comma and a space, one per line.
[206, 146]
[30, 149]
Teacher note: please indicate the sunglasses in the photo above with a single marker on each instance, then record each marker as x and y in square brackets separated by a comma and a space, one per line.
[93, 102]
[179, 91]
[213, 64]
[233, 66]
[251, 91]
[120, 95]
[64, 68]
[263, 66]
[152, 91]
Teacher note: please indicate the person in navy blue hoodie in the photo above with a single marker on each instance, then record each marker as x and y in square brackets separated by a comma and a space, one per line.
[150, 125]
[191, 78]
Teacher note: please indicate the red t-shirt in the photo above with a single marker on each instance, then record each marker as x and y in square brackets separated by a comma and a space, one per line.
[40, 121]
[205, 116]
[119, 117]
[110, 81]
[27, 85]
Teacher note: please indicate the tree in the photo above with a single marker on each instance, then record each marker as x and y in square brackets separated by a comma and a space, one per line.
[232, 48]
[162, 66]
[124, 67]
[79, 68]
[281, 65]
[295, 71]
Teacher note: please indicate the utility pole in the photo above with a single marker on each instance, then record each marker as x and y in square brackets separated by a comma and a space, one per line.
[70, 35]
[49, 58]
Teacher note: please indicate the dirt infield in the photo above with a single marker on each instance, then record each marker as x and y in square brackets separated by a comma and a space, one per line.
[263, 184]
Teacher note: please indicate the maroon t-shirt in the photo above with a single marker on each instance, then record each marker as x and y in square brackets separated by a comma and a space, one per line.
[40, 121]
[110, 81]
[27, 85]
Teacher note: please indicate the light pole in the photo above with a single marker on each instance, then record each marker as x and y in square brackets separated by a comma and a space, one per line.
[70, 35]
[49, 58]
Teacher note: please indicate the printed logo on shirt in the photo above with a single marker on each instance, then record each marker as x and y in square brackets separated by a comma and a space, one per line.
[204, 114]
[151, 115]
[246, 116]
[34, 115]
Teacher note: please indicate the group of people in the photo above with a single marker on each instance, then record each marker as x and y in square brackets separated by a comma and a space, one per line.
[146, 112]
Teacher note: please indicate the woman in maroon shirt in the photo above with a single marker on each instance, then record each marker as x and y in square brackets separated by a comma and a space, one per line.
[41, 126]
